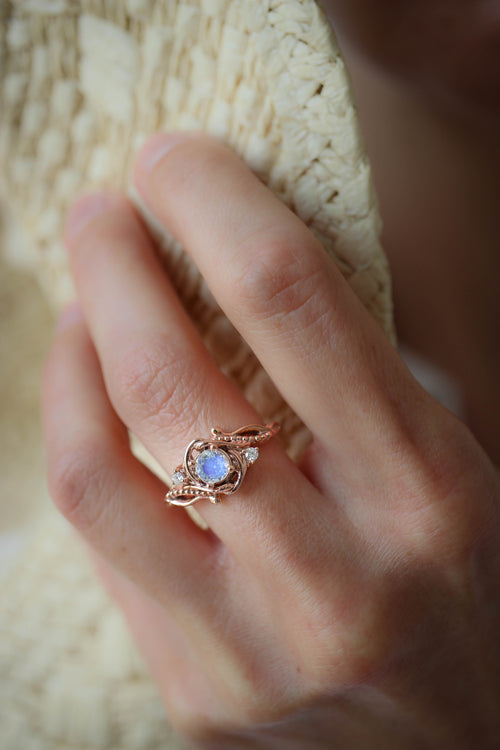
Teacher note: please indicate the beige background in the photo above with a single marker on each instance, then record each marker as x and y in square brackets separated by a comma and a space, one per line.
[22, 349]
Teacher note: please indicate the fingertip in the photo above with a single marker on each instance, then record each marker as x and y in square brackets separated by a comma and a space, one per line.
[71, 315]
[87, 208]
[153, 151]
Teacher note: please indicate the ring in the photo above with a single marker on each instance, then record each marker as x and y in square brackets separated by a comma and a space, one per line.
[216, 466]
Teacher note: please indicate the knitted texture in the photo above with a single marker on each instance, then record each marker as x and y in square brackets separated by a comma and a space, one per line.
[85, 83]
[70, 676]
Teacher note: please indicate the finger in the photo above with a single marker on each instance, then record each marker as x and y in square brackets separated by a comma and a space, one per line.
[163, 644]
[268, 272]
[161, 379]
[109, 496]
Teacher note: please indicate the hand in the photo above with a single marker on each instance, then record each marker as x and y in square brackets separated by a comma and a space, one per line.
[352, 601]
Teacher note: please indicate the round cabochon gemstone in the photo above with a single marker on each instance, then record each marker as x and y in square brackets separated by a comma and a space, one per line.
[213, 466]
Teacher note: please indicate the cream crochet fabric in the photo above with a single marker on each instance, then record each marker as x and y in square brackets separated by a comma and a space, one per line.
[70, 677]
[82, 84]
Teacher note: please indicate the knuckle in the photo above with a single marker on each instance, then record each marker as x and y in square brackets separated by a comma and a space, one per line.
[449, 529]
[78, 481]
[281, 282]
[156, 382]
[454, 506]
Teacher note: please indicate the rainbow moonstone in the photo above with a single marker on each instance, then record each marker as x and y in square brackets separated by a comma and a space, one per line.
[213, 466]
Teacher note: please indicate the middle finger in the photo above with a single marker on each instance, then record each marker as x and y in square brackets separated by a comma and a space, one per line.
[327, 356]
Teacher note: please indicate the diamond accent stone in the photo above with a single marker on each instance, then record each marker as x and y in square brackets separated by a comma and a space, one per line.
[251, 454]
[213, 466]
[178, 477]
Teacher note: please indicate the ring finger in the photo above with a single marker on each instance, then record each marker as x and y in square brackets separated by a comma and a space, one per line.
[161, 379]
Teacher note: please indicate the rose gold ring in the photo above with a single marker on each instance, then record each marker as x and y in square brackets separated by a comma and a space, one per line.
[216, 467]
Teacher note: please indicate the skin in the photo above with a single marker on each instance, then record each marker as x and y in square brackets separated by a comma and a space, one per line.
[351, 601]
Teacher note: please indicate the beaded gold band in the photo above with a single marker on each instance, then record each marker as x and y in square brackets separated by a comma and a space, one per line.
[216, 466]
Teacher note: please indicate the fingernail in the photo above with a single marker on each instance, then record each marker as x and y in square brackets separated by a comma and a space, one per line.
[156, 148]
[84, 210]
[71, 314]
